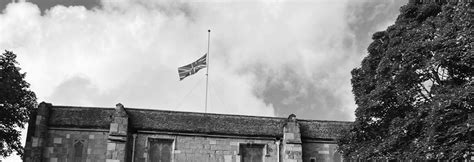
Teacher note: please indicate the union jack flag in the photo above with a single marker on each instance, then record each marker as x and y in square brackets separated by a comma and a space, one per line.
[192, 68]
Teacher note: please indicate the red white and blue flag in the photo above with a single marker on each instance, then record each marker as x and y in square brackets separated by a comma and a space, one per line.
[192, 68]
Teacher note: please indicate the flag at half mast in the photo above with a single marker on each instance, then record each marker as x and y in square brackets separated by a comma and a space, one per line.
[192, 68]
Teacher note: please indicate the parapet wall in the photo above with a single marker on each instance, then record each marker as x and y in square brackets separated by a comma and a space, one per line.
[64, 133]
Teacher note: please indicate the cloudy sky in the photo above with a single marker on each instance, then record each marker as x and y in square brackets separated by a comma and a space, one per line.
[267, 57]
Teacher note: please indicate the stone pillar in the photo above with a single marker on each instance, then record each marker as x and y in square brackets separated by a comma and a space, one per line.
[118, 134]
[38, 133]
[292, 150]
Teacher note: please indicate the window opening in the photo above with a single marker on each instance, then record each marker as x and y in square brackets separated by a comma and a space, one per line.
[251, 152]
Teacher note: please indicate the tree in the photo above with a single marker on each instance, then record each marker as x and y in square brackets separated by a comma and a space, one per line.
[16, 103]
[415, 89]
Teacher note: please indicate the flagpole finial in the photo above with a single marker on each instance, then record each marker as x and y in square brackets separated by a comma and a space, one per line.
[209, 30]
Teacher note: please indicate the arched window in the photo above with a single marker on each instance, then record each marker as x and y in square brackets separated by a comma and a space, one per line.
[160, 150]
[78, 152]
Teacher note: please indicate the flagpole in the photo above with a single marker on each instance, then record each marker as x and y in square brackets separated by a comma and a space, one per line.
[207, 61]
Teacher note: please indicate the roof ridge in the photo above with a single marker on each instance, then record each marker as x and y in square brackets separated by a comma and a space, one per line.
[199, 113]
[197, 122]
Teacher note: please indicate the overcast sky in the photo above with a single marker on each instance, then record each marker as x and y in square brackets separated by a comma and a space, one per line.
[267, 57]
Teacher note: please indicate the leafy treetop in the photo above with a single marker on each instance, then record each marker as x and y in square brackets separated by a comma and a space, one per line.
[414, 91]
[16, 103]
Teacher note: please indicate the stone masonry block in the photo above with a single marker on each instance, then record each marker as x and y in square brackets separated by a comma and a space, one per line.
[91, 136]
[35, 142]
[114, 155]
[122, 131]
[53, 160]
[293, 148]
[99, 136]
[101, 157]
[121, 146]
[212, 142]
[98, 151]
[58, 140]
[227, 147]
[109, 155]
[227, 158]
[46, 154]
[121, 155]
[111, 160]
[118, 120]
[234, 143]
[38, 120]
[113, 127]
[292, 127]
[222, 142]
[224, 147]
[120, 128]
[289, 136]
[203, 157]
[111, 146]
[181, 157]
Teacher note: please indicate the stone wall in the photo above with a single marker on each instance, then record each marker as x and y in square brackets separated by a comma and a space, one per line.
[76, 134]
[37, 133]
[200, 148]
[60, 145]
[320, 152]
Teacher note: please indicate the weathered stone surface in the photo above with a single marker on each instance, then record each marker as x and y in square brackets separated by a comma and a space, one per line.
[320, 152]
[292, 148]
[118, 135]
[57, 140]
[190, 122]
[106, 135]
[189, 148]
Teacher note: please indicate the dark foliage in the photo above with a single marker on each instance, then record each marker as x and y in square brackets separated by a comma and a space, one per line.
[415, 89]
[16, 103]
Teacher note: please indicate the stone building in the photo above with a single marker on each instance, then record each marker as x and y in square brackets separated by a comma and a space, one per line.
[90, 134]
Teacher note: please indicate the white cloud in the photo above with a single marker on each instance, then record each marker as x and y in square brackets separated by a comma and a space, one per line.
[268, 58]
[128, 51]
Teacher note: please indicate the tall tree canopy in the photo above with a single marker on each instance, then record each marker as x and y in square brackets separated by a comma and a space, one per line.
[414, 91]
[16, 103]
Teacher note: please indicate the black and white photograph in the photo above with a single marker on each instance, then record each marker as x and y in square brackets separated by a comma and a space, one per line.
[236, 80]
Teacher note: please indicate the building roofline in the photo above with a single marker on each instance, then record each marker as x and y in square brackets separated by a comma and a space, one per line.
[192, 122]
[199, 113]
